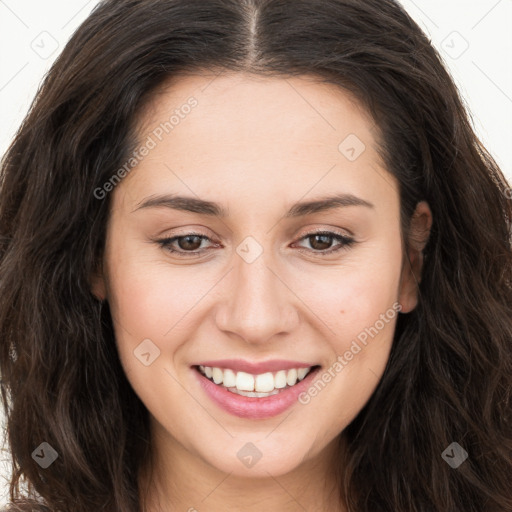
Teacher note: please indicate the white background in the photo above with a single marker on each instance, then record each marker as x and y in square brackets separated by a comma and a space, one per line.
[473, 36]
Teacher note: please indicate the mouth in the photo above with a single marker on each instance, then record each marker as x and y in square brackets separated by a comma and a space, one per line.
[254, 395]
[254, 386]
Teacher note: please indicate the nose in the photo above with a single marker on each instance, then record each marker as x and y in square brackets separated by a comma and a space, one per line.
[257, 305]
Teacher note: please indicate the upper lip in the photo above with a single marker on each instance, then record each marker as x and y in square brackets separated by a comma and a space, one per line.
[256, 368]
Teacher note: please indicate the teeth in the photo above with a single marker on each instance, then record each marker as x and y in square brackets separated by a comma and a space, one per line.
[229, 379]
[302, 372]
[291, 378]
[245, 384]
[264, 383]
[244, 381]
[217, 375]
[253, 394]
[280, 379]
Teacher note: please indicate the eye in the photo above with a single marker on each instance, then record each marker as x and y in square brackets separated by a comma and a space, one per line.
[189, 244]
[322, 242]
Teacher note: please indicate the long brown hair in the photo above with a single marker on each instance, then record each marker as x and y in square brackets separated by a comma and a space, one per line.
[449, 375]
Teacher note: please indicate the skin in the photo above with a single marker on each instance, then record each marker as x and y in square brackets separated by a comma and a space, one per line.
[255, 146]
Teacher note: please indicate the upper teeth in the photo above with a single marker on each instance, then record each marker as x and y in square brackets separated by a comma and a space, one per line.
[262, 383]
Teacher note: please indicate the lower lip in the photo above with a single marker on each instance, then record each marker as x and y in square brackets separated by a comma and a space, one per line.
[253, 407]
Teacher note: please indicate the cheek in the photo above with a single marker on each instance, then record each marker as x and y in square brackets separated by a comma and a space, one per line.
[363, 298]
[361, 308]
[150, 298]
[149, 302]
[354, 295]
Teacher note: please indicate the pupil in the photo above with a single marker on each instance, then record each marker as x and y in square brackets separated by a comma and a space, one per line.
[324, 244]
[186, 243]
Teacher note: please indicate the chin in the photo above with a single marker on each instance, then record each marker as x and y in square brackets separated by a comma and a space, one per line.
[258, 459]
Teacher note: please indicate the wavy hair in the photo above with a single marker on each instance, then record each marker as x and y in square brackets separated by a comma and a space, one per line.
[449, 374]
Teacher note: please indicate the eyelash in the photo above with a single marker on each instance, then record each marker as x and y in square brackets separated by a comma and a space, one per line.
[346, 242]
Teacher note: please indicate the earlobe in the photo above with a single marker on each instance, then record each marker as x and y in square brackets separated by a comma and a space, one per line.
[419, 233]
[97, 283]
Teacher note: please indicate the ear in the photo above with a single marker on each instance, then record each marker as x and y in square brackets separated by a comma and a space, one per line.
[419, 232]
[97, 283]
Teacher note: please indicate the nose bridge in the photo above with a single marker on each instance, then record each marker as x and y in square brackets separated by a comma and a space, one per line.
[257, 304]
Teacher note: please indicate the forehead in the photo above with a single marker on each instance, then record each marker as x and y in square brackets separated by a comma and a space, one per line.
[248, 132]
[253, 105]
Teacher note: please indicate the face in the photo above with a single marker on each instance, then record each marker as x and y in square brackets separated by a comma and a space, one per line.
[257, 235]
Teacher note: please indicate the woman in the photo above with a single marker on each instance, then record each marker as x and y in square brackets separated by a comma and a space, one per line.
[254, 258]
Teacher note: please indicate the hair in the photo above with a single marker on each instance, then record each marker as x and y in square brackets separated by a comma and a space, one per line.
[449, 374]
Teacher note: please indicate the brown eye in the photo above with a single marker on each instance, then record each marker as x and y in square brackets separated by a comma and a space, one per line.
[320, 242]
[189, 242]
[186, 245]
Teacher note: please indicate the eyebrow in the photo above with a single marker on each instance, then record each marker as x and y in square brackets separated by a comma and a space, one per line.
[203, 207]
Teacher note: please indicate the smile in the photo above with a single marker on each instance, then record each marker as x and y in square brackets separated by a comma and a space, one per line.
[259, 386]
[254, 390]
